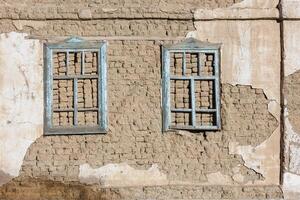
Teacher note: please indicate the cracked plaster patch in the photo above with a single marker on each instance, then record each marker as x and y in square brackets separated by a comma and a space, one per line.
[121, 175]
[247, 40]
[246, 9]
[21, 89]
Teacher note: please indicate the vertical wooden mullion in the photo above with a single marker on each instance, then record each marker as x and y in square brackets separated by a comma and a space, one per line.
[192, 96]
[217, 88]
[102, 87]
[49, 88]
[75, 96]
[82, 62]
[166, 88]
[67, 62]
[199, 64]
[183, 63]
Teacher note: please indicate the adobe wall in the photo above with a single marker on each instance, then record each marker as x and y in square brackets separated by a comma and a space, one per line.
[240, 161]
[291, 177]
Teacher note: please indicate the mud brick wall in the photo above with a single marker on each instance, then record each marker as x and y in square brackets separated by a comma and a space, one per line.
[77, 191]
[196, 64]
[75, 63]
[134, 98]
[70, 9]
[134, 135]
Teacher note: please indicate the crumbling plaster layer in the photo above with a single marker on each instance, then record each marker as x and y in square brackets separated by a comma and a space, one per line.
[291, 46]
[21, 94]
[120, 175]
[291, 9]
[251, 56]
[291, 91]
[246, 9]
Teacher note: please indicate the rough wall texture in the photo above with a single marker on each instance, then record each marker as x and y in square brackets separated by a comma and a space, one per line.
[105, 9]
[292, 95]
[23, 190]
[134, 144]
[291, 177]
[135, 136]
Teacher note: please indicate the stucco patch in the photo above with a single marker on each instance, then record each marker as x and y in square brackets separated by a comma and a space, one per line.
[291, 186]
[113, 175]
[250, 52]
[21, 94]
[244, 10]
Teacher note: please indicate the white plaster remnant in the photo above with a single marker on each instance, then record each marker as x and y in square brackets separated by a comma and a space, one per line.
[219, 179]
[292, 145]
[21, 94]
[250, 55]
[247, 9]
[85, 13]
[294, 154]
[263, 159]
[291, 46]
[291, 186]
[250, 52]
[119, 175]
[291, 9]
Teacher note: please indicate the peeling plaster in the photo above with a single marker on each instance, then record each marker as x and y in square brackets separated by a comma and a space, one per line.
[292, 46]
[291, 184]
[21, 90]
[291, 8]
[118, 175]
[246, 9]
[263, 159]
[250, 54]
[292, 146]
[259, 67]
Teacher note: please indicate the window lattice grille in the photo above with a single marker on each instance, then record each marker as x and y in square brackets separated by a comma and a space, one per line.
[191, 86]
[75, 87]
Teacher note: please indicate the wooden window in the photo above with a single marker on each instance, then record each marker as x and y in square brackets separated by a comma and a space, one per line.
[75, 87]
[191, 86]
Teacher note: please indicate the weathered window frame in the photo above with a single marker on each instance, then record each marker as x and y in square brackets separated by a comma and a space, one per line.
[80, 45]
[190, 45]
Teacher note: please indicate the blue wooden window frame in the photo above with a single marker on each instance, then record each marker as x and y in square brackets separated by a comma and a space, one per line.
[190, 45]
[75, 44]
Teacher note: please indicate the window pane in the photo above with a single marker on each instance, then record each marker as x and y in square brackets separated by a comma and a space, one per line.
[180, 94]
[59, 63]
[87, 93]
[176, 64]
[205, 119]
[204, 95]
[180, 119]
[90, 63]
[87, 118]
[63, 94]
[63, 119]
[74, 65]
[192, 64]
[206, 68]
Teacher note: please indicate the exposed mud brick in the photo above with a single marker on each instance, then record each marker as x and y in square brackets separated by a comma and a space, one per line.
[61, 9]
[88, 118]
[64, 119]
[36, 189]
[91, 63]
[63, 94]
[180, 94]
[292, 93]
[87, 93]
[74, 64]
[59, 63]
